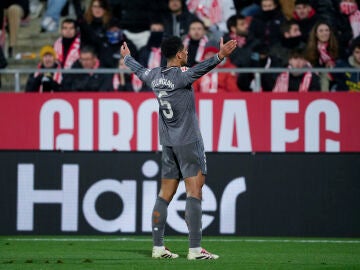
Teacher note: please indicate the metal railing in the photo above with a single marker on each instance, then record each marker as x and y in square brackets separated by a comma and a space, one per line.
[257, 72]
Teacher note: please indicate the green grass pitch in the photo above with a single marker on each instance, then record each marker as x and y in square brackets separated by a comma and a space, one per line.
[134, 252]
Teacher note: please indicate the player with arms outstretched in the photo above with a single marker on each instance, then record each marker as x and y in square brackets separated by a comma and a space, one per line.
[183, 155]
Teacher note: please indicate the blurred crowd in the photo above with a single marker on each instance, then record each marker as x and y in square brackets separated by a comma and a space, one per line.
[292, 34]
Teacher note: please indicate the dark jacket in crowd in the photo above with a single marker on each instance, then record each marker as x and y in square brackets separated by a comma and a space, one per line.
[184, 20]
[265, 26]
[109, 55]
[240, 4]
[344, 34]
[241, 56]
[85, 82]
[307, 24]
[282, 49]
[347, 81]
[43, 82]
[127, 87]
[295, 81]
[260, 58]
[326, 10]
[3, 61]
[93, 34]
[136, 15]
[154, 41]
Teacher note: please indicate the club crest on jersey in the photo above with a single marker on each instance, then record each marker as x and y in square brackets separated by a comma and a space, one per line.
[183, 69]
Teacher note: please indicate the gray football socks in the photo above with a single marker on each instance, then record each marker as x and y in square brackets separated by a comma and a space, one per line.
[193, 214]
[158, 221]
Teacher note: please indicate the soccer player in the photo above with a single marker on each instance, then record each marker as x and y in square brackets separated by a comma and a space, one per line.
[183, 155]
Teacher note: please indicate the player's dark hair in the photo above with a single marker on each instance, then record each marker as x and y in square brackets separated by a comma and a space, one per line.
[171, 46]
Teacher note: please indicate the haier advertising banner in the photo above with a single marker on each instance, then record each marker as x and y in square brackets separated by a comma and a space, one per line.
[240, 122]
[246, 194]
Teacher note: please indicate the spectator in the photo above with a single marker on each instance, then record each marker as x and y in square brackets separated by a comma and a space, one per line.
[247, 7]
[214, 14]
[45, 82]
[67, 46]
[94, 23]
[110, 50]
[195, 42]
[150, 55]
[291, 38]
[260, 58]
[322, 51]
[91, 82]
[297, 81]
[14, 11]
[326, 10]
[266, 25]
[348, 25]
[349, 81]
[306, 17]
[216, 82]
[177, 20]
[126, 82]
[238, 27]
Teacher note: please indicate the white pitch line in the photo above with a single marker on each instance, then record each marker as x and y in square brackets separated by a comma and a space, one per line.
[124, 239]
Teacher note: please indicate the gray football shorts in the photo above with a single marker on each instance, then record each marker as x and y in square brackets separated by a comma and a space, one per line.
[183, 161]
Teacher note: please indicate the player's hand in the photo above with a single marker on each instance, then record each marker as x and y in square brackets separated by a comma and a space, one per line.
[227, 48]
[124, 50]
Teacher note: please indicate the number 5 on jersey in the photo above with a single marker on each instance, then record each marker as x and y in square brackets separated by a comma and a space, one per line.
[167, 112]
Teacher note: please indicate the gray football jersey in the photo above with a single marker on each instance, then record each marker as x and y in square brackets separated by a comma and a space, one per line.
[178, 123]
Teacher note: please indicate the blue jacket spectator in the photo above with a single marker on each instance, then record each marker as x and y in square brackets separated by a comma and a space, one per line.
[110, 49]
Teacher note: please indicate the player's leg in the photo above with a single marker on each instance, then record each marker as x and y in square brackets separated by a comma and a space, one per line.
[193, 214]
[159, 215]
[169, 185]
[193, 166]
[193, 209]
[167, 191]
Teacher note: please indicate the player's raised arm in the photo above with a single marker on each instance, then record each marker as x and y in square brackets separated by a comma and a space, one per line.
[131, 63]
[203, 67]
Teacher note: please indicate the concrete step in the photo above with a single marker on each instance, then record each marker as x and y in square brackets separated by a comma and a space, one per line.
[30, 40]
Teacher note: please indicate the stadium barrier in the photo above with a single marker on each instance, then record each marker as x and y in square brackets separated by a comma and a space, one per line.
[246, 194]
[257, 72]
